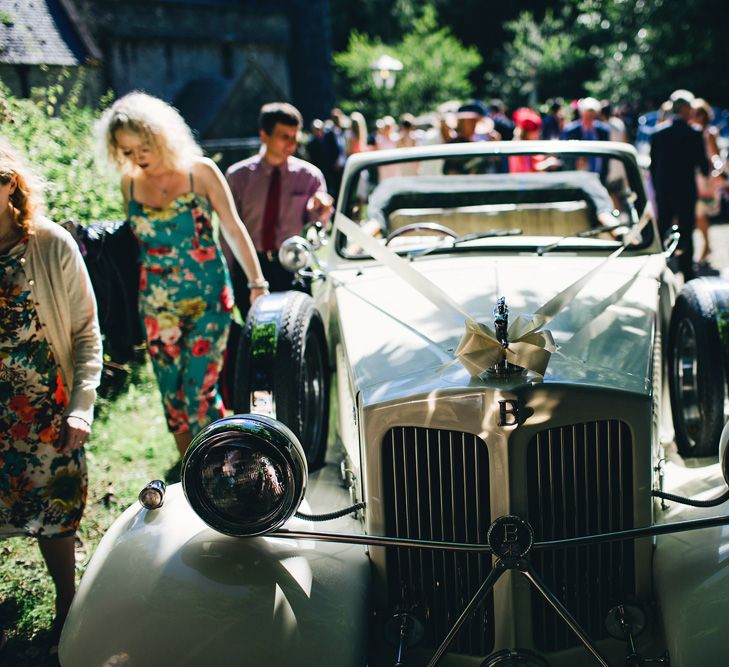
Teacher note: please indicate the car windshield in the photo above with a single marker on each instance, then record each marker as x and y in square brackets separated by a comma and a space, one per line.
[500, 200]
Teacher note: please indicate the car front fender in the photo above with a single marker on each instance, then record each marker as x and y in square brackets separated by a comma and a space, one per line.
[691, 580]
[165, 589]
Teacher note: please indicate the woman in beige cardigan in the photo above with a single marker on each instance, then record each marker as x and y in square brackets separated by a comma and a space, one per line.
[50, 364]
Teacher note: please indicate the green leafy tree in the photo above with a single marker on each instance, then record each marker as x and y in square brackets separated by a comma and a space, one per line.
[436, 67]
[474, 23]
[537, 60]
[56, 136]
[647, 48]
[623, 50]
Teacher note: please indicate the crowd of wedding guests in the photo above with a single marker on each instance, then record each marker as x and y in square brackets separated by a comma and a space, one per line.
[332, 140]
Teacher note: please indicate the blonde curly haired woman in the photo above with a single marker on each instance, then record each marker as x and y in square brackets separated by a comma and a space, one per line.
[50, 365]
[170, 192]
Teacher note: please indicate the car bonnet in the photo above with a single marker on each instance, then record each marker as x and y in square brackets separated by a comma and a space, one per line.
[397, 340]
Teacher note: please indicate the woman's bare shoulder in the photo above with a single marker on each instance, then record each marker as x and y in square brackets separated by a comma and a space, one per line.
[204, 167]
[206, 175]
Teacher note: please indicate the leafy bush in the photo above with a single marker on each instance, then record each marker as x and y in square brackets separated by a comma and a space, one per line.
[57, 139]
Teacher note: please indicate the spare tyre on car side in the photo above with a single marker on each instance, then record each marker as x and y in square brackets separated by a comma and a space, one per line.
[281, 368]
[698, 342]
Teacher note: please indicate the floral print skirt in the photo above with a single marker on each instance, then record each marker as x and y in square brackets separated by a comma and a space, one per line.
[186, 319]
[185, 302]
[42, 489]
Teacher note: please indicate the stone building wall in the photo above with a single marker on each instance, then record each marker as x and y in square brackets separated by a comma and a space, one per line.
[216, 60]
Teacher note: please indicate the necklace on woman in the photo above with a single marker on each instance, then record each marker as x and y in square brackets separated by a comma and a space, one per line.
[164, 190]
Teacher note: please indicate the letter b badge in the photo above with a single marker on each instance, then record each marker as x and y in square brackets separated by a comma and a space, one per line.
[508, 413]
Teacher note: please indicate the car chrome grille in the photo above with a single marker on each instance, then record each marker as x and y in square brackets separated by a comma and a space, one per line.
[436, 487]
[580, 482]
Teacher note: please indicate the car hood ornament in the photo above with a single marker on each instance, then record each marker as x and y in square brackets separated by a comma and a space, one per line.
[501, 330]
[501, 322]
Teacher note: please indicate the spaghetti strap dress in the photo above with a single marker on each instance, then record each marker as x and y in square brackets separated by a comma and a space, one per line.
[185, 303]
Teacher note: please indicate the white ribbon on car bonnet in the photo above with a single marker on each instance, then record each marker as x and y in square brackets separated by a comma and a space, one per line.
[530, 345]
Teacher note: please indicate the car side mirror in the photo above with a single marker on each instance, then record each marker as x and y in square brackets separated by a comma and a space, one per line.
[315, 234]
[670, 241]
[297, 256]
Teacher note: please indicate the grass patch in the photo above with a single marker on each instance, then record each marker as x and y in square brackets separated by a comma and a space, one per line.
[129, 445]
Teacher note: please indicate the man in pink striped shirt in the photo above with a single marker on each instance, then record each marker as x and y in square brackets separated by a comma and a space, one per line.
[276, 194]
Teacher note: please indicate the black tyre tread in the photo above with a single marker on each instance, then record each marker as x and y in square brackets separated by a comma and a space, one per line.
[291, 339]
[696, 302]
[301, 324]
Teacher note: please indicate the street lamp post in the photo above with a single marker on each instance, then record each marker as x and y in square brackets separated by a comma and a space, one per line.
[384, 71]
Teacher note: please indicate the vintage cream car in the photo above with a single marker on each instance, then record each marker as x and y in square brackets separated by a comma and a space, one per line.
[459, 451]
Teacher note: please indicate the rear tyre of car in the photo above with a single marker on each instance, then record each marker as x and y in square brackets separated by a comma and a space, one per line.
[696, 366]
[291, 363]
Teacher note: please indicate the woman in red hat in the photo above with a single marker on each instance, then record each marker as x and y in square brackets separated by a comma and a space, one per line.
[528, 126]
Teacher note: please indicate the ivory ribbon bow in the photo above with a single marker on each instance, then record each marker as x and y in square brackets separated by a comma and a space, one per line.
[530, 346]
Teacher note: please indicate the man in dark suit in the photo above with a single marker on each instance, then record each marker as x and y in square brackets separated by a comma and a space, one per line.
[677, 150]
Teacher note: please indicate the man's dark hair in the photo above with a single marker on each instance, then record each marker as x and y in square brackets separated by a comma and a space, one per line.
[278, 112]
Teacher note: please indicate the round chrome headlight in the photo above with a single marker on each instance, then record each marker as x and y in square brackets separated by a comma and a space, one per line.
[245, 475]
[294, 254]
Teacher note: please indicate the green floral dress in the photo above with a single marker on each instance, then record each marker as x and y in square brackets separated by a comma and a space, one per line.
[42, 489]
[185, 302]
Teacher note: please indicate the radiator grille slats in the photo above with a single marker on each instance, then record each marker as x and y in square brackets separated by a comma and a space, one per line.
[579, 481]
[436, 486]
